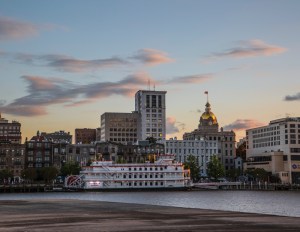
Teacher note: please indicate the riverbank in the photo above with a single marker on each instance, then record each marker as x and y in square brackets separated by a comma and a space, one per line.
[78, 215]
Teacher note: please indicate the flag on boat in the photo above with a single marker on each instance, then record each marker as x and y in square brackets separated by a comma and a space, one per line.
[206, 92]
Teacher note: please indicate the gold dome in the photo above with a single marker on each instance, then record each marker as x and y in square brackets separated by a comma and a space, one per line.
[209, 115]
[208, 118]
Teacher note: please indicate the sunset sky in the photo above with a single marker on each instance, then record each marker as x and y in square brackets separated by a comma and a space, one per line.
[64, 63]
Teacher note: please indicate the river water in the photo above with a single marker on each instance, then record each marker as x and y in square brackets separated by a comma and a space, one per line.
[284, 203]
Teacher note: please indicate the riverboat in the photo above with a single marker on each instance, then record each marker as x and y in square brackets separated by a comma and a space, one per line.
[164, 173]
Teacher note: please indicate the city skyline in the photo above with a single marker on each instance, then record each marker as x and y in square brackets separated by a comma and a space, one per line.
[64, 64]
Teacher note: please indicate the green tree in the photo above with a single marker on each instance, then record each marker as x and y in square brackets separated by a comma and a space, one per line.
[215, 168]
[192, 164]
[70, 168]
[29, 174]
[49, 173]
[151, 140]
[241, 151]
[233, 174]
[5, 174]
[258, 174]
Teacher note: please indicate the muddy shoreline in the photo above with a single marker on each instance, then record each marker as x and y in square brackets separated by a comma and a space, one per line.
[77, 215]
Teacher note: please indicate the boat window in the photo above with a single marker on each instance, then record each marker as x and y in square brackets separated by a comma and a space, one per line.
[140, 169]
[151, 176]
[145, 169]
[145, 176]
[141, 183]
[161, 168]
[150, 169]
[161, 183]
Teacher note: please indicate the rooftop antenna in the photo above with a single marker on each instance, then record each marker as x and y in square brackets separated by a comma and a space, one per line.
[148, 84]
[206, 92]
[154, 86]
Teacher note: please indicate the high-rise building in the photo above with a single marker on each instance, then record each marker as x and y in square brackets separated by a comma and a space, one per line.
[208, 130]
[85, 136]
[275, 148]
[151, 107]
[119, 127]
[10, 132]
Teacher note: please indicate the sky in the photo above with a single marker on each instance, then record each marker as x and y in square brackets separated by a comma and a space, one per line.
[64, 63]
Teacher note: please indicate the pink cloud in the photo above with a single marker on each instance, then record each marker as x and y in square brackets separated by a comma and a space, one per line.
[251, 48]
[191, 79]
[12, 29]
[243, 124]
[172, 126]
[39, 83]
[152, 57]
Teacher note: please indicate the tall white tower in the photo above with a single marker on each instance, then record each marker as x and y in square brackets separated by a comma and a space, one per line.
[151, 107]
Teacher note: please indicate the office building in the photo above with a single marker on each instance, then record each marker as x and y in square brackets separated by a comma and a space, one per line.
[151, 108]
[275, 148]
[119, 127]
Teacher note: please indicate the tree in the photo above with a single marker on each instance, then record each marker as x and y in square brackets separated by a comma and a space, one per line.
[192, 164]
[241, 151]
[5, 174]
[29, 174]
[233, 174]
[258, 174]
[70, 168]
[151, 140]
[215, 168]
[49, 173]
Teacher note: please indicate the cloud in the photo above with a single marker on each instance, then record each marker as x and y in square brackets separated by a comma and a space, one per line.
[295, 97]
[251, 48]
[43, 92]
[11, 29]
[243, 124]
[67, 63]
[172, 126]
[193, 79]
[152, 57]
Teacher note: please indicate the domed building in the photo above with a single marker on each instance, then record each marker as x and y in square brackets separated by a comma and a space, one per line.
[208, 131]
[208, 118]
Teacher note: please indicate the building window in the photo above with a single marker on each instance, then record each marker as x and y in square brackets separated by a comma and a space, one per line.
[153, 101]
